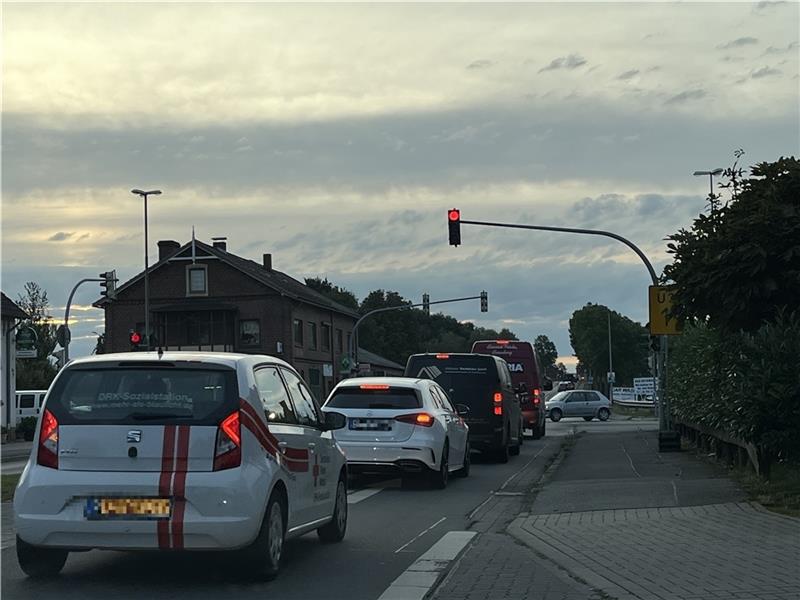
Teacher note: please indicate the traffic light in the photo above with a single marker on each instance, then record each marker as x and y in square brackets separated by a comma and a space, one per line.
[135, 339]
[108, 287]
[63, 336]
[426, 303]
[454, 226]
[484, 302]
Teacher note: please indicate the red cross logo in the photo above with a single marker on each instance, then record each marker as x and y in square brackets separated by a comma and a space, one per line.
[315, 471]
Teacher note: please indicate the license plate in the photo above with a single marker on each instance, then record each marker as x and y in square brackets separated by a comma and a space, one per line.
[128, 508]
[371, 424]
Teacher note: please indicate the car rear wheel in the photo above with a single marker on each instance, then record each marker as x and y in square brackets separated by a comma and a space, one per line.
[588, 418]
[555, 415]
[263, 557]
[603, 414]
[464, 471]
[40, 563]
[538, 431]
[439, 478]
[335, 530]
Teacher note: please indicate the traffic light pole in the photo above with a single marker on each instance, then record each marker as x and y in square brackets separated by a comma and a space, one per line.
[67, 334]
[666, 434]
[352, 349]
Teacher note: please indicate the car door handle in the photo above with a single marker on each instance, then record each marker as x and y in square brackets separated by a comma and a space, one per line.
[283, 445]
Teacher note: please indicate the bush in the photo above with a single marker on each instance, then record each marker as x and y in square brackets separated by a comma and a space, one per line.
[745, 384]
[27, 427]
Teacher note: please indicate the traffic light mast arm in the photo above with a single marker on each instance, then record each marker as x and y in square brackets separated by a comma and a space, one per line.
[66, 311]
[389, 308]
[610, 234]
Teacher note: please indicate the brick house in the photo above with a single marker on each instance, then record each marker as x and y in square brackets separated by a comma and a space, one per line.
[203, 297]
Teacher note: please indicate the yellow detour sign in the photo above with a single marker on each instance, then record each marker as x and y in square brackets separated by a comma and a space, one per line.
[660, 305]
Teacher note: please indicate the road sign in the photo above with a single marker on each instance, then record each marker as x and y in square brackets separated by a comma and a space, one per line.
[26, 340]
[611, 376]
[660, 300]
[643, 387]
[346, 363]
[63, 336]
[623, 394]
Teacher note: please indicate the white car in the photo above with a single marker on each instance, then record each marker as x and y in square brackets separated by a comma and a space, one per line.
[401, 424]
[578, 403]
[179, 451]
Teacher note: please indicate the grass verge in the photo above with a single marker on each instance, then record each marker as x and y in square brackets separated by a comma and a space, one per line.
[9, 483]
[780, 494]
[632, 411]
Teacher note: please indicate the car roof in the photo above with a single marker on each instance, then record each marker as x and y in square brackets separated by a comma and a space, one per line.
[229, 359]
[410, 382]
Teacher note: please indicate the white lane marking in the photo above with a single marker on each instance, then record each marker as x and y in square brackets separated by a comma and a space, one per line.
[525, 466]
[675, 492]
[416, 537]
[480, 506]
[359, 495]
[418, 579]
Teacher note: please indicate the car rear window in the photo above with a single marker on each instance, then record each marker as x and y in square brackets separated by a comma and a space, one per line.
[392, 398]
[142, 395]
[470, 380]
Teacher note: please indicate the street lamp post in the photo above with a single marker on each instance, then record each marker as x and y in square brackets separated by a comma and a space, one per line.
[711, 175]
[144, 195]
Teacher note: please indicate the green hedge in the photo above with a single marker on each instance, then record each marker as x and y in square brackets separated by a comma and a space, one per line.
[745, 384]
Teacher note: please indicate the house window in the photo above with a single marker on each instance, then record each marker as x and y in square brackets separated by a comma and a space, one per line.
[196, 280]
[312, 336]
[339, 340]
[326, 336]
[298, 332]
[250, 332]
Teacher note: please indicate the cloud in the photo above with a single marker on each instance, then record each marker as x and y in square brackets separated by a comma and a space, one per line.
[571, 61]
[628, 74]
[686, 96]
[781, 50]
[83, 237]
[61, 236]
[765, 72]
[480, 64]
[731, 59]
[738, 43]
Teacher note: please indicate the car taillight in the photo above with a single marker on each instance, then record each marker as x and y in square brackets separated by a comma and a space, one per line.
[47, 455]
[536, 396]
[228, 452]
[423, 419]
[498, 403]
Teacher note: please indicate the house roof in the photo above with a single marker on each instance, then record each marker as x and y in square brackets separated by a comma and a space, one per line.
[276, 280]
[375, 359]
[9, 309]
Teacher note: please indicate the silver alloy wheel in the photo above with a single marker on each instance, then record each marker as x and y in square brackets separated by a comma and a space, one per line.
[603, 414]
[341, 506]
[275, 533]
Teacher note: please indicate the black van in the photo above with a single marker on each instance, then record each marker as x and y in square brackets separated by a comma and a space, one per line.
[483, 383]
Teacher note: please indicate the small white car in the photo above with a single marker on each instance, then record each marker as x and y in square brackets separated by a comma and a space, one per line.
[401, 424]
[179, 451]
[578, 403]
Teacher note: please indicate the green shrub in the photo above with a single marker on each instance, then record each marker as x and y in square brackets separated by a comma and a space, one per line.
[27, 427]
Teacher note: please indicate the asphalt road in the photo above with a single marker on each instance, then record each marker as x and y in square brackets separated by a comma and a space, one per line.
[388, 529]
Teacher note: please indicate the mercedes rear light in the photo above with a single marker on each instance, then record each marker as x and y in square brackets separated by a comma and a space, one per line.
[228, 451]
[47, 454]
[423, 419]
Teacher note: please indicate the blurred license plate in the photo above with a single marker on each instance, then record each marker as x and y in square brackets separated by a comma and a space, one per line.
[371, 424]
[128, 508]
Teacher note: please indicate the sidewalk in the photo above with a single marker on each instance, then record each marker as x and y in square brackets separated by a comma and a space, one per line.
[624, 522]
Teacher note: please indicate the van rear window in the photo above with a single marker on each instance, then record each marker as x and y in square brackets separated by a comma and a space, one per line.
[143, 395]
[470, 380]
[394, 398]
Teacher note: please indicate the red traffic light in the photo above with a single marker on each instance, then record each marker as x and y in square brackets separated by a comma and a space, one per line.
[136, 337]
[454, 214]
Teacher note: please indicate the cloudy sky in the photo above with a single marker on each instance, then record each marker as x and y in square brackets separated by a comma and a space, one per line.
[336, 136]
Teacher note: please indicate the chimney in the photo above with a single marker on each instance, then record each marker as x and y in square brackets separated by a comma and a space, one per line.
[268, 262]
[220, 242]
[167, 248]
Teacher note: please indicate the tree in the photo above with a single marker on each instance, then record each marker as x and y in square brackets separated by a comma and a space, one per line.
[547, 353]
[334, 292]
[588, 334]
[738, 269]
[37, 373]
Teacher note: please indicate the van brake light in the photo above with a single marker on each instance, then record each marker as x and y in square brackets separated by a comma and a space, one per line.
[47, 455]
[498, 403]
[442, 356]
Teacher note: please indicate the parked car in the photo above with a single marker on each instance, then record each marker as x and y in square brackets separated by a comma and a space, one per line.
[401, 424]
[526, 376]
[563, 386]
[482, 383]
[179, 451]
[578, 403]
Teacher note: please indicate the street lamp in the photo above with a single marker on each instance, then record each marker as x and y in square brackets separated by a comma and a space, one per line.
[144, 195]
[711, 175]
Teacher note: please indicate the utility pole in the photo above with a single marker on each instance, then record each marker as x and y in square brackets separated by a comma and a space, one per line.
[144, 195]
[611, 377]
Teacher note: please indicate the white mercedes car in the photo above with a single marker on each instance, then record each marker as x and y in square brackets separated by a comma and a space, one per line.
[179, 451]
[401, 424]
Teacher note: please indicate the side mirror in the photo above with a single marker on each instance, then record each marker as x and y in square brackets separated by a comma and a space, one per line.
[548, 385]
[462, 409]
[334, 420]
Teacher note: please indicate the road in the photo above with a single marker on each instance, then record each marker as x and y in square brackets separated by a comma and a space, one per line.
[389, 527]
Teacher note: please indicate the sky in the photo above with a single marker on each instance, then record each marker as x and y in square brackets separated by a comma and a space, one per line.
[336, 136]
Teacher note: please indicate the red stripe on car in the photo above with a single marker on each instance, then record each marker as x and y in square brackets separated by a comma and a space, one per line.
[164, 481]
[179, 487]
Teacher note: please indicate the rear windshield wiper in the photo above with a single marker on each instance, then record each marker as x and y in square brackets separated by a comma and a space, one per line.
[154, 416]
